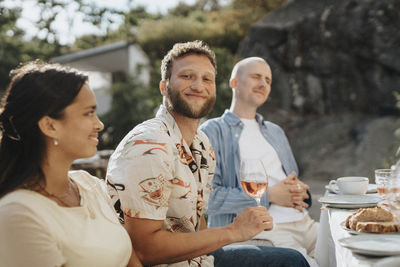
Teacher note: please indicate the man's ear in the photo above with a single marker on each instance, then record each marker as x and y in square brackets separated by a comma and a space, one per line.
[163, 88]
[233, 83]
[47, 126]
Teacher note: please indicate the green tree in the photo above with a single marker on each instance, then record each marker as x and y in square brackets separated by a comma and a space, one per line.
[132, 103]
[225, 28]
[13, 48]
[101, 17]
[222, 27]
[259, 6]
[10, 43]
[225, 62]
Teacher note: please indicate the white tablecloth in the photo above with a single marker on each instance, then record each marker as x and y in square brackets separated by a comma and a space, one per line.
[328, 252]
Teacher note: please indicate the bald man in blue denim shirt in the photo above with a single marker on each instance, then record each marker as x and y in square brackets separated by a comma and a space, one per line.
[241, 133]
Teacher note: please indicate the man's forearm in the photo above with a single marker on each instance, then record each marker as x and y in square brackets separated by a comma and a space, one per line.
[177, 247]
[154, 245]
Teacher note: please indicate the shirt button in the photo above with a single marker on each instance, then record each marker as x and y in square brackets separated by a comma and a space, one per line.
[236, 135]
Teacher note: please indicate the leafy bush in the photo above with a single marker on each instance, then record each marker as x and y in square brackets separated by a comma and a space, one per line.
[132, 103]
[225, 62]
[223, 29]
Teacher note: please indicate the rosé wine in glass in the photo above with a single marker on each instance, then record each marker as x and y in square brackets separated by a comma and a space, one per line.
[254, 189]
[253, 178]
[382, 190]
[382, 177]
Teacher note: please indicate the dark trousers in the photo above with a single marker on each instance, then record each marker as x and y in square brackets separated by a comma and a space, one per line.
[257, 256]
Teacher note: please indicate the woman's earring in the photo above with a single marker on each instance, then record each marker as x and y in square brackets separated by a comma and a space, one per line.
[55, 141]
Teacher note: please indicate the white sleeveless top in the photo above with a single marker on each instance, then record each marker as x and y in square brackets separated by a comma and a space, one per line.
[36, 231]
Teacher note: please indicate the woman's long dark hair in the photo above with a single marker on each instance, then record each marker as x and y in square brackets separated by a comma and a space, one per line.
[36, 89]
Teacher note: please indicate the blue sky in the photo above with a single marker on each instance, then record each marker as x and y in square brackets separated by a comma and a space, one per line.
[69, 31]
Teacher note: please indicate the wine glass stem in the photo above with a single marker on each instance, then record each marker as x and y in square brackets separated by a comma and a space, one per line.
[258, 201]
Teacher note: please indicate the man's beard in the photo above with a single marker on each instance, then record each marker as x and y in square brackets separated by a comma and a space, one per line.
[180, 106]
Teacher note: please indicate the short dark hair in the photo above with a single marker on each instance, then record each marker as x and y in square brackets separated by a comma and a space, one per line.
[36, 89]
[183, 49]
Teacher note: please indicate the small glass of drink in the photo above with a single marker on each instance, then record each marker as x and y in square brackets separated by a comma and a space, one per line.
[382, 179]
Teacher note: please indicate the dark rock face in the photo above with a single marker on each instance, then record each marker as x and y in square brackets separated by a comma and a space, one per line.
[331, 56]
[335, 65]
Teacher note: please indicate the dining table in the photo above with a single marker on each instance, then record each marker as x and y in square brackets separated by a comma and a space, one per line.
[329, 250]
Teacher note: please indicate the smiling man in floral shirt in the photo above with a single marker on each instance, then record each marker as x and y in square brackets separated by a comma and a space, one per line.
[160, 175]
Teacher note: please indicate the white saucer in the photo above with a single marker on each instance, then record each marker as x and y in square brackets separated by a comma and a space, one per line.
[333, 188]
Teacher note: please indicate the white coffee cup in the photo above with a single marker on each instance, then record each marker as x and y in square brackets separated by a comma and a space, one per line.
[351, 185]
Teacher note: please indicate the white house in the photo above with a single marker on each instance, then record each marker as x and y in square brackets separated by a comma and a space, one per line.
[101, 62]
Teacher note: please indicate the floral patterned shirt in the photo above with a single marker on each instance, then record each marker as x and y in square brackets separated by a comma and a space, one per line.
[154, 174]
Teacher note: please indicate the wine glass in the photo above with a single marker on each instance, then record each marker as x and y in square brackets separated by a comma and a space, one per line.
[253, 178]
[394, 196]
[382, 179]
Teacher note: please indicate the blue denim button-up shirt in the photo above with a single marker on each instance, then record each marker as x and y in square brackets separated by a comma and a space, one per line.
[227, 198]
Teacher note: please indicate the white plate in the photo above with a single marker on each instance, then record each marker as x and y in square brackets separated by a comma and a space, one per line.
[343, 225]
[350, 201]
[377, 245]
[333, 188]
[388, 262]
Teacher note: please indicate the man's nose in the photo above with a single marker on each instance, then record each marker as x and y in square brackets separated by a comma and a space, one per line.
[263, 83]
[196, 84]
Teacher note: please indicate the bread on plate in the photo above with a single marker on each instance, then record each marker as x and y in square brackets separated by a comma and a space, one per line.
[372, 220]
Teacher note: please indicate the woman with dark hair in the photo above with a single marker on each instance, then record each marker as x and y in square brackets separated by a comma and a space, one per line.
[50, 216]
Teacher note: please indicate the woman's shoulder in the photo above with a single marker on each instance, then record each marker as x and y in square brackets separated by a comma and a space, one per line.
[13, 209]
[21, 196]
[23, 202]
